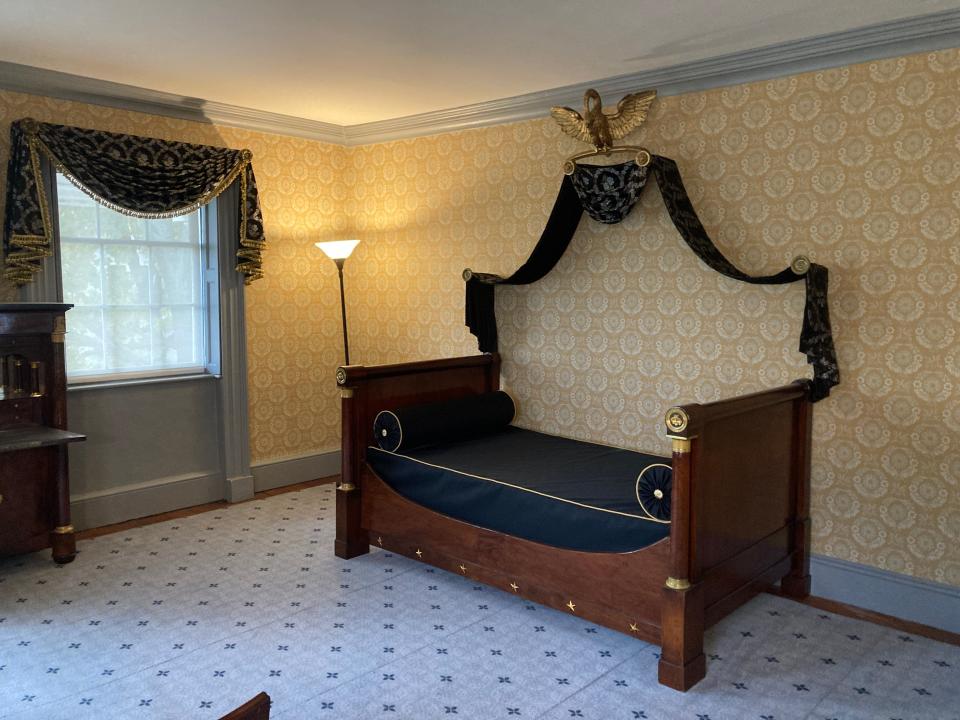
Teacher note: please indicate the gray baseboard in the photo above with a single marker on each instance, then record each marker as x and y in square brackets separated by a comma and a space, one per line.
[886, 592]
[106, 507]
[272, 474]
[96, 509]
[239, 488]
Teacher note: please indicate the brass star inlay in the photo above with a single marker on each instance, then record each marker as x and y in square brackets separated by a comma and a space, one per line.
[463, 569]
[514, 586]
[573, 608]
[419, 553]
[380, 541]
[634, 628]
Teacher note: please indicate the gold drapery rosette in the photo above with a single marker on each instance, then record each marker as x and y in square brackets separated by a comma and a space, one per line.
[137, 176]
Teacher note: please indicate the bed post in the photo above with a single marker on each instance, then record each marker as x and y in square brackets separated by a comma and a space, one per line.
[682, 663]
[351, 539]
[796, 584]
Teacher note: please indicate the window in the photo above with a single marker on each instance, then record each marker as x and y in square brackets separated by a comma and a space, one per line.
[140, 290]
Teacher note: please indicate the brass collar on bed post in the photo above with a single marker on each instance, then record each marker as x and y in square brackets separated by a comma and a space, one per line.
[678, 584]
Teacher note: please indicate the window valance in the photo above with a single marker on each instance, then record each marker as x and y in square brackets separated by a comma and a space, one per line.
[138, 176]
[608, 194]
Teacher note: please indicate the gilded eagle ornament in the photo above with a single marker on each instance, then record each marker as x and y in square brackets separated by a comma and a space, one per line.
[601, 127]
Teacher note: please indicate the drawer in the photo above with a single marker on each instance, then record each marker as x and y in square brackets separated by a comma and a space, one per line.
[20, 411]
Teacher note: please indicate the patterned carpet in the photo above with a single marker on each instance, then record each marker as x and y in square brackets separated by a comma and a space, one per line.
[190, 617]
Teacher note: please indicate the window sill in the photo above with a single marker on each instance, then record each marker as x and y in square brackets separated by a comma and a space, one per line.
[78, 387]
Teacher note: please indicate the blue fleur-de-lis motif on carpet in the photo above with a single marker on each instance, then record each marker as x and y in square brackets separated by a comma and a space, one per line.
[382, 635]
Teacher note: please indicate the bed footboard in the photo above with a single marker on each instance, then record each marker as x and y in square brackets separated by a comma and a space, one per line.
[367, 390]
[740, 514]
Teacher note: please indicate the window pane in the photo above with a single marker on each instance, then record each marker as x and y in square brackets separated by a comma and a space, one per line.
[174, 278]
[78, 213]
[127, 343]
[174, 336]
[181, 229]
[78, 221]
[115, 226]
[81, 273]
[137, 285]
[84, 344]
[126, 275]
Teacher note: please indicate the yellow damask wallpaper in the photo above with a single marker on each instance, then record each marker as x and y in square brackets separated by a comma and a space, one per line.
[855, 166]
[293, 323]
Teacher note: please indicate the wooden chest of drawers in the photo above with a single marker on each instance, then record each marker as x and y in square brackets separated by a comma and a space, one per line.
[34, 479]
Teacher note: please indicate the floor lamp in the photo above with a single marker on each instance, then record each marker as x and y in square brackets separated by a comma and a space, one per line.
[339, 251]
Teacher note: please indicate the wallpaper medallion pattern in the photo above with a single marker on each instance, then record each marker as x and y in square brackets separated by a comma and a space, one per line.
[856, 166]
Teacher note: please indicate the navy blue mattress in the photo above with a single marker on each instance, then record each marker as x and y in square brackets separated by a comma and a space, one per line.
[561, 492]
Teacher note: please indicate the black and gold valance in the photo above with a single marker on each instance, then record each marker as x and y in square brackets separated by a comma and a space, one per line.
[138, 176]
[608, 194]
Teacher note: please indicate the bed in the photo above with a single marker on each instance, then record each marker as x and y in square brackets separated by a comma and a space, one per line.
[738, 519]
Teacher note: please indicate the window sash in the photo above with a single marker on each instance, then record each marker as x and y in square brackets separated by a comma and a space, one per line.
[194, 317]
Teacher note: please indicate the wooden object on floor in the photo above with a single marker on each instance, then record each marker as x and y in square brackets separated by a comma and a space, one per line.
[741, 473]
[877, 618]
[256, 709]
[34, 476]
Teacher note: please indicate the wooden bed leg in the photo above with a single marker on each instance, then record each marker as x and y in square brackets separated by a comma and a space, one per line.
[352, 540]
[796, 583]
[682, 663]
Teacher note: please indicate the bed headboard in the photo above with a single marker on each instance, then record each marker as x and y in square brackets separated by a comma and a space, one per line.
[366, 390]
[630, 322]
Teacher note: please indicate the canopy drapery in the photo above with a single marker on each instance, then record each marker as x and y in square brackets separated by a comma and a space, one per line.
[608, 194]
[138, 176]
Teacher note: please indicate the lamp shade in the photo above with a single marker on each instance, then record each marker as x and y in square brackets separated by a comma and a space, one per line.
[338, 249]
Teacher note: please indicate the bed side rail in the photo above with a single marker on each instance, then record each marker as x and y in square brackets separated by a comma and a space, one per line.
[741, 474]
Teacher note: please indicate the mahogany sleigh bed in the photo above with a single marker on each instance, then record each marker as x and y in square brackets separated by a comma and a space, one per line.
[739, 520]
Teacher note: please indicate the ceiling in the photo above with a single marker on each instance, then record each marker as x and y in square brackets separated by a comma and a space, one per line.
[369, 60]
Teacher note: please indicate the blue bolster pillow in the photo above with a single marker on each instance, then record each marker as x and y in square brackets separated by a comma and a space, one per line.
[443, 422]
[654, 490]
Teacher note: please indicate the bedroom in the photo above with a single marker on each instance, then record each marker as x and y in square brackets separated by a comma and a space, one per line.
[840, 143]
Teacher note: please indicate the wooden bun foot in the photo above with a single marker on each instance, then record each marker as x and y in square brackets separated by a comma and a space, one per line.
[794, 586]
[682, 663]
[64, 546]
[682, 677]
[352, 540]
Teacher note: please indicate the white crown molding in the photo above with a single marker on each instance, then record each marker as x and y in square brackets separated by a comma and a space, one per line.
[64, 86]
[925, 33]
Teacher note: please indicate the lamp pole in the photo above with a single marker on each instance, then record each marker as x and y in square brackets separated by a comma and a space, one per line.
[339, 251]
[343, 311]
